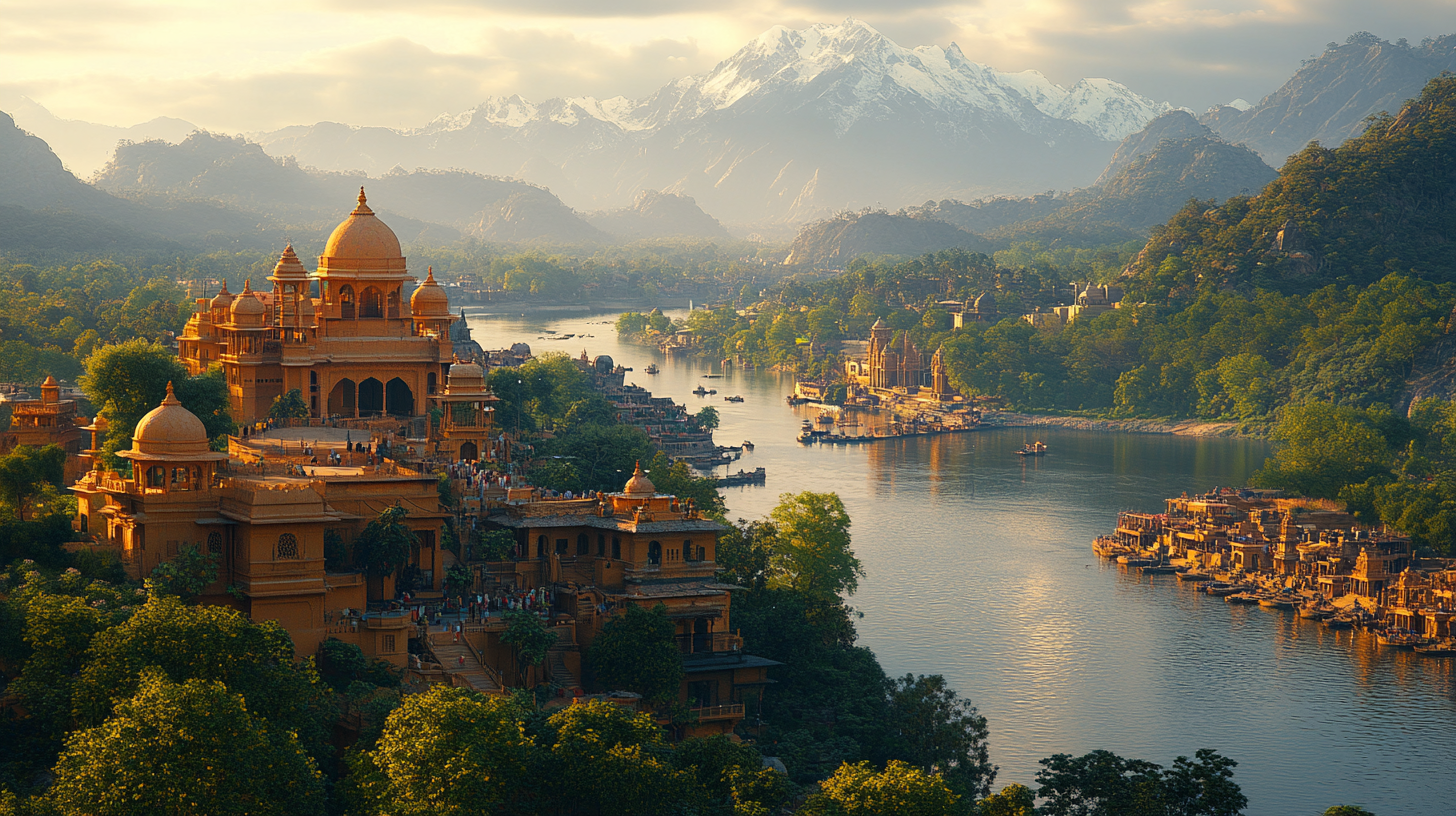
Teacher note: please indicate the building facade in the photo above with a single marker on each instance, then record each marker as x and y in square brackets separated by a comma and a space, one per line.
[357, 348]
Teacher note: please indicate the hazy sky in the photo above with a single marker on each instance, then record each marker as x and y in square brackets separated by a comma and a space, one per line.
[263, 64]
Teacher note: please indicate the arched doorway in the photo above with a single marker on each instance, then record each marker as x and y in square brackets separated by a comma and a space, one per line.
[654, 553]
[469, 452]
[702, 638]
[346, 302]
[371, 397]
[398, 398]
[341, 399]
[369, 303]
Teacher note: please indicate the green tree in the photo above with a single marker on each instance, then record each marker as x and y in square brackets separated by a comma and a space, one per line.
[1203, 786]
[1013, 800]
[495, 545]
[528, 637]
[812, 556]
[1099, 784]
[26, 471]
[189, 748]
[1323, 448]
[384, 545]
[1347, 810]
[129, 379]
[289, 406]
[707, 418]
[186, 576]
[637, 651]
[254, 659]
[731, 776]
[447, 752]
[745, 552]
[899, 790]
[608, 760]
[938, 732]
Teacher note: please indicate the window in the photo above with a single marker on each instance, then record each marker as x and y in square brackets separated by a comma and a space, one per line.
[702, 553]
[156, 476]
[561, 546]
[389, 644]
[654, 552]
[583, 544]
[214, 542]
[601, 545]
[688, 550]
[541, 547]
[369, 303]
[616, 547]
[287, 546]
[346, 302]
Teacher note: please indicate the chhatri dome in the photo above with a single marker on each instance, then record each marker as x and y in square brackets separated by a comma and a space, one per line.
[247, 306]
[639, 485]
[465, 378]
[430, 300]
[170, 431]
[224, 298]
[363, 237]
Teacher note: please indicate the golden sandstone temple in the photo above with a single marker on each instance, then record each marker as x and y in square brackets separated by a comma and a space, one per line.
[267, 511]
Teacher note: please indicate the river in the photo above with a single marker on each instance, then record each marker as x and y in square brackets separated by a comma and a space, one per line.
[979, 567]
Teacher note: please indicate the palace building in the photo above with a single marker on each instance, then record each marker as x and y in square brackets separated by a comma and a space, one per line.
[266, 523]
[356, 349]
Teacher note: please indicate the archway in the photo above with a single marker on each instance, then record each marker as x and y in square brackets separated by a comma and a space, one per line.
[398, 398]
[342, 398]
[469, 452]
[369, 303]
[654, 553]
[371, 397]
[394, 303]
[346, 302]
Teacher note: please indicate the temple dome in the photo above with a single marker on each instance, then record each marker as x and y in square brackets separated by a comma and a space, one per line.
[430, 300]
[465, 378]
[289, 268]
[169, 430]
[247, 308]
[639, 484]
[363, 237]
[224, 298]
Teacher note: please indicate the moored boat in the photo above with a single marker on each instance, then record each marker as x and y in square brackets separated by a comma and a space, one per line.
[1221, 589]
[1159, 569]
[700, 391]
[1276, 602]
[1338, 622]
[1194, 575]
[1242, 598]
[652, 368]
[1441, 648]
[734, 398]
[1398, 638]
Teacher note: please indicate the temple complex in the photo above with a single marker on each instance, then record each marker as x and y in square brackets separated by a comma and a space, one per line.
[49, 420]
[356, 349]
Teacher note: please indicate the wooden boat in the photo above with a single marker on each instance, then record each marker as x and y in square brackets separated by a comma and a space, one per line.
[1398, 638]
[1134, 562]
[734, 398]
[1160, 569]
[652, 368]
[1221, 589]
[1242, 598]
[824, 419]
[1108, 547]
[700, 391]
[1441, 648]
[793, 400]
[1276, 602]
[1338, 622]
[1316, 611]
[1033, 449]
[1193, 575]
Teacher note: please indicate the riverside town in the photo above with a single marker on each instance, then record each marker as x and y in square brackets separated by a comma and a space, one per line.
[638, 411]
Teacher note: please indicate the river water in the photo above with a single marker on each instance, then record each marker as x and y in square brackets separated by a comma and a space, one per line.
[979, 567]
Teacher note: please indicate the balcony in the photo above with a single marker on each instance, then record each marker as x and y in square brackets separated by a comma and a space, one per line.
[731, 711]
[709, 643]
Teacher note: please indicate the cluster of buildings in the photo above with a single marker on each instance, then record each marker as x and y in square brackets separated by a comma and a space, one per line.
[281, 512]
[1298, 544]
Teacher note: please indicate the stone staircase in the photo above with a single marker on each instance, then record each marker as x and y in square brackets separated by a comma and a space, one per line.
[448, 655]
[556, 667]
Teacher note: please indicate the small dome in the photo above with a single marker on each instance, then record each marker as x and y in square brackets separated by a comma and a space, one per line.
[639, 485]
[224, 298]
[289, 268]
[170, 430]
[247, 308]
[430, 300]
[465, 378]
[363, 237]
[879, 324]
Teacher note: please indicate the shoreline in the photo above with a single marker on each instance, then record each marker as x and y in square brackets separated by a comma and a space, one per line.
[1186, 427]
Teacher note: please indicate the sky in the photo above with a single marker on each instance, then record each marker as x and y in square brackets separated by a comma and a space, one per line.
[265, 64]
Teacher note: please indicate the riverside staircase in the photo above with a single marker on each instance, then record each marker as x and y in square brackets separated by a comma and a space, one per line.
[472, 674]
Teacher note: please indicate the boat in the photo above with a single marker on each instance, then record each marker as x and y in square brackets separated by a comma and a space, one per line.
[824, 419]
[1242, 598]
[1108, 547]
[1221, 589]
[1193, 575]
[712, 390]
[1317, 610]
[700, 391]
[795, 400]
[1276, 602]
[1398, 638]
[748, 446]
[1134, 561]
[1033, 449]
[1160, 569]
[734, 398]
[1340, 621]
[1441, 648]
[652, 368]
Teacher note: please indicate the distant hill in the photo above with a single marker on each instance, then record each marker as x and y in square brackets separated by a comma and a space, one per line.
[1175, 125]
[837, 241]
[1329, 99]
[437, 204]
[85, 147]
[658, 215]
[1383, 201]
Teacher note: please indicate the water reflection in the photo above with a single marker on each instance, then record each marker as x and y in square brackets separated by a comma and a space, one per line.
[980, 567]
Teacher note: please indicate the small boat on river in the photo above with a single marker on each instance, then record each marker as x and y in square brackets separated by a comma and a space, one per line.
[700, 391]
[748, 446]
[1242, 598]
[1159, 569]
[1276, 602]
[734, 398]
[1193, 575]
[1441, 648]
[652, 368]
[1398, 638]
[1221, 589]
[1033, 449]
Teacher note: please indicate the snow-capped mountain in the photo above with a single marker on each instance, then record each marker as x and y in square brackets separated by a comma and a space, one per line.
[796, 123]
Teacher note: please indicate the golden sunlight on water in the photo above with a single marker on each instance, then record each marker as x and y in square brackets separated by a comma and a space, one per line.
[979, 567]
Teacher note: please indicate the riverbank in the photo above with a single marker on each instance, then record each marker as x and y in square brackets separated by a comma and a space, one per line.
[1187, 427]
